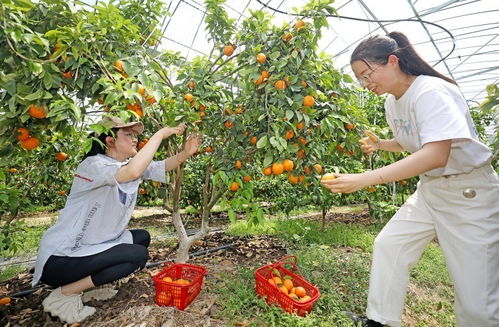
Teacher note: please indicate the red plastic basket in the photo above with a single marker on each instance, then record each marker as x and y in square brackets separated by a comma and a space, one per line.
[272, 293]
[173, 294]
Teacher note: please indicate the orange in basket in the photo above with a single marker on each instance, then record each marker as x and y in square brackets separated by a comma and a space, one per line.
[284, 287]
[178, 285]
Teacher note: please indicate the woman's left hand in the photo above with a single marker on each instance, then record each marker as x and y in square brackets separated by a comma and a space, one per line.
[345, 183]
[192, 144]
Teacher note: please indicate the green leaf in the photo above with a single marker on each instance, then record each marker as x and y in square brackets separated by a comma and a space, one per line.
[268, 160]
[262, 142]
[289, 114]
[232, 216]
[34, 96]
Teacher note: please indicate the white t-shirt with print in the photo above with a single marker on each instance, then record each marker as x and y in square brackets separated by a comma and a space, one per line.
[97, 211]
[434, 110]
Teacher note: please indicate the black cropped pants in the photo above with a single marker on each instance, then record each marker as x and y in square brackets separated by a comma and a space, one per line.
[108, 266]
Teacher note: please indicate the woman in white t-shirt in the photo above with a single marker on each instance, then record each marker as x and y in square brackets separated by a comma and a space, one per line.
[456, 199]
[90, 245]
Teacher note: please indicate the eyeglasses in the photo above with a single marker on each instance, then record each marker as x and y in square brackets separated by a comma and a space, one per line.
[365, 79]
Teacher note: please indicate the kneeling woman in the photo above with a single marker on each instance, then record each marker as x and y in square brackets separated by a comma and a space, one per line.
[89, 244]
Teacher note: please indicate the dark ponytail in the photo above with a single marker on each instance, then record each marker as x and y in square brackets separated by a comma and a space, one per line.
[99, 144]
[376, 49]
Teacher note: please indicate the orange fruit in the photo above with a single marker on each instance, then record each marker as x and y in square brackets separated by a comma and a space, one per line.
[339, 147]
[288, 165]
[283, 289]
[61, 156]
[265, 74]
[304, 84]
[328, 176]
[301, 178]
[261, 58]
[277, 280]
[142, 191]
[37, 112]
[134, 107]
[349, 126]
[239, 109]
[238, 164]
[141, 90]
[300, 291]
[280, 84]
[5, 300]
[299, 25]
[306, 170]
[300, 153]
[277, 168]
[228, 111]
[202, 107]
[208, 149]
[271, 281]
[302, 140]
[246, 178]
[234, 186]
[253, 140]
[286, 37]
[371, 189]
[182, 281]
[118, 64]
[228, 50]
[292, 179]
[267, 171]
[288, 283]
[151, 99]
[294, 296]
[13, 170]
[100, 101]
[318, 168]
[30, 143]
[142, 143]
[67, 74]
[228, 124]
[299, 125]
[191, 85]
[23, 133]
[403, 183]
[259, 80]
[308, 101]
[188, 97]
[289, 134]
[168, 279]
[305, 299]
[61, 192]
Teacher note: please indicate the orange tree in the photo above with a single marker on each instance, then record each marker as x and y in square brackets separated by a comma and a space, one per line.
[56, 66]
[268, 104]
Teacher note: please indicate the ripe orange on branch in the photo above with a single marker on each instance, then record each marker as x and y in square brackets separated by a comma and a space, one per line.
[118, 65]
[191, 85]
[234, 186]
[308, 101]
[261, 58]
[277, 168]
[188, 97]
[228, 50]
[22, 133]
[299, 25]
[288, 165]
[280, 84]
[37, 112]
[61, 156]
[30, 143]
[238, 164]
[267, 171]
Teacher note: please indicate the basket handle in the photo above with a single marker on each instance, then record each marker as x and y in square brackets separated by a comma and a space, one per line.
[289, 259]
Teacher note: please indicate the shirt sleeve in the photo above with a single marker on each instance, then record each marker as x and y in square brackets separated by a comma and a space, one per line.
[438, 118]
[155, 171]
[95, 172]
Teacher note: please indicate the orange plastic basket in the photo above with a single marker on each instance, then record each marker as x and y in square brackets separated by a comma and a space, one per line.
[272, 293]
[174, 294]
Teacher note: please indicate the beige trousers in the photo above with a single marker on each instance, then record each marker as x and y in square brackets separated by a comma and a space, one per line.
[462, 212]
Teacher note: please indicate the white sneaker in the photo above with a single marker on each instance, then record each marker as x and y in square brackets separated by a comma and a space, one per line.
[99, 293]
[69, 308]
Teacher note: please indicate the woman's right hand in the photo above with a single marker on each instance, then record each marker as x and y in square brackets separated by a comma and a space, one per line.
[169, 131]
[370, 143]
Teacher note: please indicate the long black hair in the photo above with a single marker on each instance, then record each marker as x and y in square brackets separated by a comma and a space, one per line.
[99, 143]
[376, 49]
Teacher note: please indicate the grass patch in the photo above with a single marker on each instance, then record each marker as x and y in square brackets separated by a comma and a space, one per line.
[337, 260]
